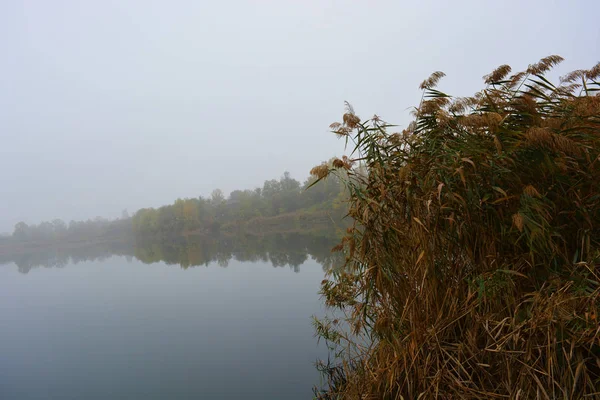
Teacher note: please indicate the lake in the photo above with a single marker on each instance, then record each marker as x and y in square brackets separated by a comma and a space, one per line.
[193, 319]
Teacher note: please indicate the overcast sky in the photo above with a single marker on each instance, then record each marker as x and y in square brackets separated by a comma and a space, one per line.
[107, 105]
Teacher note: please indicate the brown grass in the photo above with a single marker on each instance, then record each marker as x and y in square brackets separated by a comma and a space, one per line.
[473, 267]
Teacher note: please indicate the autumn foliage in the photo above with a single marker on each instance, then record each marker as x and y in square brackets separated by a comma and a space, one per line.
[473, 267]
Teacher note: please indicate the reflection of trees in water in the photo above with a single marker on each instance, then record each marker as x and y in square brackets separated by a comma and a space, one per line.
[58, 257]
[280, 250]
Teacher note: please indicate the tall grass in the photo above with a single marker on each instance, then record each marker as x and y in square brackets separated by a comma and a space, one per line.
[473, 266]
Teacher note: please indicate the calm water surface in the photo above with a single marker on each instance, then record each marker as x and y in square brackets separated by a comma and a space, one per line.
[119, 328]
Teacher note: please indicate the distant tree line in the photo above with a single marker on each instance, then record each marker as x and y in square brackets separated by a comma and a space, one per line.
[59, 230]
[275, 198]
[285, 198]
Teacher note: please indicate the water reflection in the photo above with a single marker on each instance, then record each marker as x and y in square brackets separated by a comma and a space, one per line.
[174, 329]
[283, 250]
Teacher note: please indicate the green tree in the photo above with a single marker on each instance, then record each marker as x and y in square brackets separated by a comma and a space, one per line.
[21, 231]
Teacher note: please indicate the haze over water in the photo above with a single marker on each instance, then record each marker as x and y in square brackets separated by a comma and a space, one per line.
[121, 329]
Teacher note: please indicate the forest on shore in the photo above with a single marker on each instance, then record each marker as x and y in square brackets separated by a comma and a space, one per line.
[280, 206]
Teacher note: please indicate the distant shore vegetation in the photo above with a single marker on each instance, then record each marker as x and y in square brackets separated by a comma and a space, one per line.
[280, 206]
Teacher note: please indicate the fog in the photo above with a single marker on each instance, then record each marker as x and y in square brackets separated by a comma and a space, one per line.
[109, 105]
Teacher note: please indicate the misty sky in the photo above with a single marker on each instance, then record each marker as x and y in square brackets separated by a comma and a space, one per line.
[107, 105]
